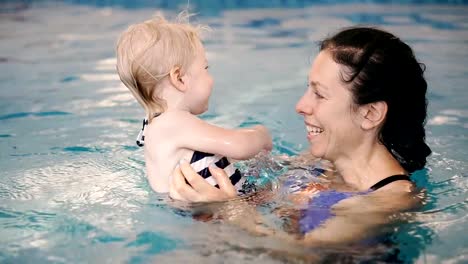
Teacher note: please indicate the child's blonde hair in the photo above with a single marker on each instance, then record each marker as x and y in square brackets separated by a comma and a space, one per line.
[148, 51]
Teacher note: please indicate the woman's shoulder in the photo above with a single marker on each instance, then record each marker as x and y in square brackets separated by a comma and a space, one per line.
[405, 186]
[394, 197]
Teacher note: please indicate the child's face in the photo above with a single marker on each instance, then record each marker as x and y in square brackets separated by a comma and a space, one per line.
[200, 83]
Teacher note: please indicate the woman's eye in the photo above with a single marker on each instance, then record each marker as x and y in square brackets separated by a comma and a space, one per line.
[206, 68]
[318, 95]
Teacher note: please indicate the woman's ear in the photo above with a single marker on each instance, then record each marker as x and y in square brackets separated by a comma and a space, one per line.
[373, 114]
[175, 77]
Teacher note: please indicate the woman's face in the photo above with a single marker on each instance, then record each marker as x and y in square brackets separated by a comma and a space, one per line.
[332, 124]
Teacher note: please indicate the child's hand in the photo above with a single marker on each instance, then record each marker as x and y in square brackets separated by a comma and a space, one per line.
[265, 136]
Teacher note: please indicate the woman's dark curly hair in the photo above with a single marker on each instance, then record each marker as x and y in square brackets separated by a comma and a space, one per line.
[378, 66]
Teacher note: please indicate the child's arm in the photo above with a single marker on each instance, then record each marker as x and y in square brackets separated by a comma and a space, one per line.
[193, 133]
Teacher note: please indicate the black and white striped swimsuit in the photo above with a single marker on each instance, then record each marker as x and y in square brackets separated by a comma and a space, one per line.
[200, 162]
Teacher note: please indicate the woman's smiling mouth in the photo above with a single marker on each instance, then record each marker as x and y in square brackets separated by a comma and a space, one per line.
[313, 130]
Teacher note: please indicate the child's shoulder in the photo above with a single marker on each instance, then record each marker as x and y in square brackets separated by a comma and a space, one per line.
[179, 125]
[176, 115]
[175, 119]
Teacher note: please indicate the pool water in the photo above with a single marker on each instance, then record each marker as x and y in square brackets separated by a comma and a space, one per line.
[73, 186]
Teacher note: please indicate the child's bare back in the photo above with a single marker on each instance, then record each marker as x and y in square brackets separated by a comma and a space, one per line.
[176, 134]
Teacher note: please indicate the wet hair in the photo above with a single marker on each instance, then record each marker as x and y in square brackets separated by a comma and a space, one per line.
[378, 66]
[148, 51]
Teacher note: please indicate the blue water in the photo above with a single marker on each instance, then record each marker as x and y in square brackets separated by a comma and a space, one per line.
[73, 186]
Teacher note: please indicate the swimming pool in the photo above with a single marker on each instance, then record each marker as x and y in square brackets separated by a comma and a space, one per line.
[73, 186]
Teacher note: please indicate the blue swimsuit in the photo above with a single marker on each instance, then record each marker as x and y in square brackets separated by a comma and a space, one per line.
[319, 208]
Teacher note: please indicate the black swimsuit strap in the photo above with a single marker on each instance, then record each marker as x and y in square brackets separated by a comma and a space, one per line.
[140, 140]
[388, 180]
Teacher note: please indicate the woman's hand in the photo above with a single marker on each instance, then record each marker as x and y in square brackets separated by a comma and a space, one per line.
[199, 189]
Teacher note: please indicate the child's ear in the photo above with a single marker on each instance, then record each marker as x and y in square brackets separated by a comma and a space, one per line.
[176, 78]
[373, 114]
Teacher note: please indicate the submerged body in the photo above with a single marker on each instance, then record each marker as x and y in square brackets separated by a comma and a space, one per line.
[319, 208]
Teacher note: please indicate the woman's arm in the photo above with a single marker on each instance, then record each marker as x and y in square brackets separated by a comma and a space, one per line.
[234, 211]
[199, 189]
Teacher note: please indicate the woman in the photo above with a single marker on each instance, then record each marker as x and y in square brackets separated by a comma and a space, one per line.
[364, 110]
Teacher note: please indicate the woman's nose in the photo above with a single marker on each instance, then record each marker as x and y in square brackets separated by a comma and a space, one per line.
[303, 106]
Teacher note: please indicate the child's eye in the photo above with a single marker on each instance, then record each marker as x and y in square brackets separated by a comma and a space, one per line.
[206, 68]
